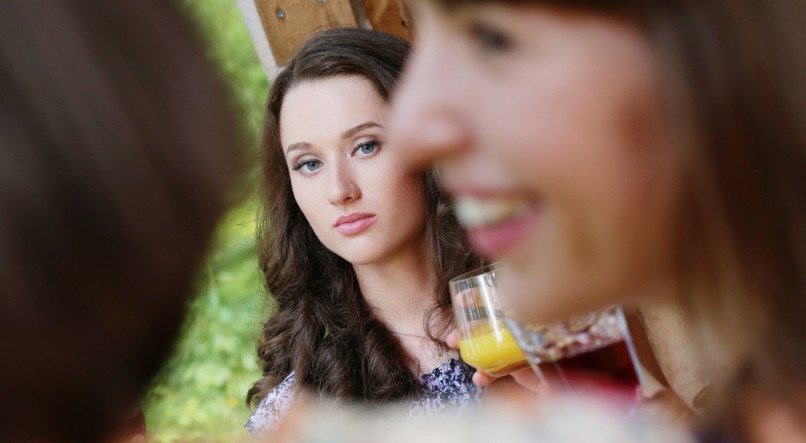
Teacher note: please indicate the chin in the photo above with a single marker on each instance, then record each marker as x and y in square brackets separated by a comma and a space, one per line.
[360, 259]
[355, 254]
[539, 297]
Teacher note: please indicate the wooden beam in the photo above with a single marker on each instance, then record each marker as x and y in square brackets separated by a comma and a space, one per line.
[258, 35]
[390, 16]
[288, 23]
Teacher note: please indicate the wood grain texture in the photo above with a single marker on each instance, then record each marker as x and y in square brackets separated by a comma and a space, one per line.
[288, 23]
[390, 16]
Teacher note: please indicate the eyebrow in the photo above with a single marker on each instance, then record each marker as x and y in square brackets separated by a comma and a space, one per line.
[350, 132]
[301, 145]
[346, 134]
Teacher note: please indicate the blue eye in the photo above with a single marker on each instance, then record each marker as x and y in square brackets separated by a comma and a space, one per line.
[367, 149]
[308, 165]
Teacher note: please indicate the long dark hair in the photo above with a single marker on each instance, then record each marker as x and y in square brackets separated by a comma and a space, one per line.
[734, 75]
[321, 327]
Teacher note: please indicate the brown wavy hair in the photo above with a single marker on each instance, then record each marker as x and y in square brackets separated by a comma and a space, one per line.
[322, 328]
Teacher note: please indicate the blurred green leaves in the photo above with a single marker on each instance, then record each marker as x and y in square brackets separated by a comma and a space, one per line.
[199, 395]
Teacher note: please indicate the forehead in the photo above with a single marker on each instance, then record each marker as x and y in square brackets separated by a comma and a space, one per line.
[319, 111]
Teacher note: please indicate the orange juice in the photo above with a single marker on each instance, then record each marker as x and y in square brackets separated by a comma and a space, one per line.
[496, 352]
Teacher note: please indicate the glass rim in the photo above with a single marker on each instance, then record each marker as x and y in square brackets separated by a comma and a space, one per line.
[486, 269]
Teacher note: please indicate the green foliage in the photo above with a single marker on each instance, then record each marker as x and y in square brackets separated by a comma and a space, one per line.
[200, 393]
[221, 25]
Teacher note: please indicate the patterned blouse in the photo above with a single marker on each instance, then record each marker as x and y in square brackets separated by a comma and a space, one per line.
[449, 385]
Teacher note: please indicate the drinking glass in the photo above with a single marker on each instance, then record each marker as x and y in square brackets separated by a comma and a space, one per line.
[484, 340]
[594, 347]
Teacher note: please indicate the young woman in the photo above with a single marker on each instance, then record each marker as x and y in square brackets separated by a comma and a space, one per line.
[632, 151]
[356, 250]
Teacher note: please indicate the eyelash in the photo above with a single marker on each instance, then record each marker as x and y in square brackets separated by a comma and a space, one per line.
[302, 162]
[374, 143]
[490, 39]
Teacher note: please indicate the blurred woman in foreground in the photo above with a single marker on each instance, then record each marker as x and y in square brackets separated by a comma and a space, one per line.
[118, 151]
[623, 151]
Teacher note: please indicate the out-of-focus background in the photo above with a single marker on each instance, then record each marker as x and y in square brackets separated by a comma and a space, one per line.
[200, 393]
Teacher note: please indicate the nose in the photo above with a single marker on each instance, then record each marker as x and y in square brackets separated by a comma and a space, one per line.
[343, 187]
[426, 123]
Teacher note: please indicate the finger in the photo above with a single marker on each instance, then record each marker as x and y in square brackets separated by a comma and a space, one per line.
[482, 379]
[666, 404]
[528, 379]
[453, 339]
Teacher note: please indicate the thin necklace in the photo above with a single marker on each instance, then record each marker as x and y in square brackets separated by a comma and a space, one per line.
[410, 335]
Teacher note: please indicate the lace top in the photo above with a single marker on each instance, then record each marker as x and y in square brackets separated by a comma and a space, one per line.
[449, 385]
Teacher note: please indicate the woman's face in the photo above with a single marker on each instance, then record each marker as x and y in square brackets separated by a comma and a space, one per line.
[354, 190]
[547, 128]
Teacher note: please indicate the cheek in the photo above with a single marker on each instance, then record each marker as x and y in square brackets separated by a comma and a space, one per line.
[409, 203]
[599, 165]
[534, 130]
[386, 182]
[405, 198]
[615, 210]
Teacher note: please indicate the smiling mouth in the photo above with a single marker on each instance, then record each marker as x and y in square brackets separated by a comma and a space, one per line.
[354, 223]
[495, 224]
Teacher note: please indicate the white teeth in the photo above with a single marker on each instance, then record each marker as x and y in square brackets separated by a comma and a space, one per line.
[473, 212]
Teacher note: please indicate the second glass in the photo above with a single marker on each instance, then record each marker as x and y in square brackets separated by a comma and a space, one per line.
[594, 347]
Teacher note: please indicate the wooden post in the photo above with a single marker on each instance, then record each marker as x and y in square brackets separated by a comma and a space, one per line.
[279, 27]
[290, 22]
[390, 16]
[251, 17]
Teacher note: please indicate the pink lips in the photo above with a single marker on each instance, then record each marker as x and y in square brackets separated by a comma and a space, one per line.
[355, 223]
[495, 241]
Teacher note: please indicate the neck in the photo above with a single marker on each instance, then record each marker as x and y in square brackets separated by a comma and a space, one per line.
[400, 289]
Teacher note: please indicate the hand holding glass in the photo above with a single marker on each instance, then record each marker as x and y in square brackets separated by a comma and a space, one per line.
[595, 346]
[484, 340]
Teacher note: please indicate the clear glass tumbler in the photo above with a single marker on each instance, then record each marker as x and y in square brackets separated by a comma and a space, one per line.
[590, 348]
[594, 347]
[484, 340]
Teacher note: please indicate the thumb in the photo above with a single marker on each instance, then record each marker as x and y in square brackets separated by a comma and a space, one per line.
[453, 339]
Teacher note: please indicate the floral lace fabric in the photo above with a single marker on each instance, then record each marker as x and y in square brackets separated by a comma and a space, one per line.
[273, 407]
[449, 386]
